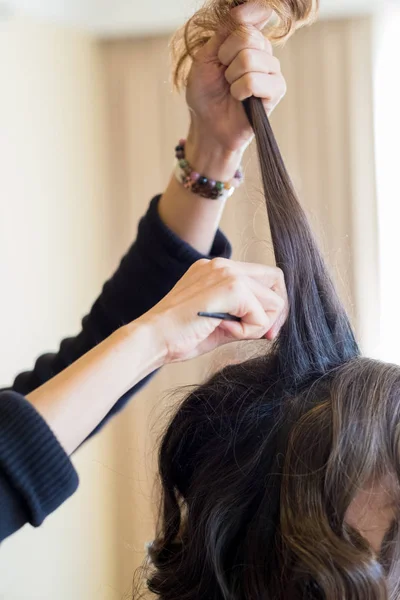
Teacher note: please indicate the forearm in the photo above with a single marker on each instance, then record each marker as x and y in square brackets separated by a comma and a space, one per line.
[193, 218]
[76, 400]
[151, 268]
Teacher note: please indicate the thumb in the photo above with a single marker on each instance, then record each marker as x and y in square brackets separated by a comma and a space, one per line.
[247, 13]
[211, 48]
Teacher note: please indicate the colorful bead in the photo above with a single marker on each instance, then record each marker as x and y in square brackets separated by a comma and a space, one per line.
[187, 183]
[199, 184]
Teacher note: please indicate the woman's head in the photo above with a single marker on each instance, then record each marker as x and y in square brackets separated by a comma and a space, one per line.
[270, 469]
[265, 495]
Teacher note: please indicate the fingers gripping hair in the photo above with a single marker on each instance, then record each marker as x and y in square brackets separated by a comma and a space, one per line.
[289, 16]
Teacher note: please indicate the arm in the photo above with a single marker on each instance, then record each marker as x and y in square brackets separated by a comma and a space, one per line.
[180, 228]
[95, 373]
[38, 433]
[226, 71]
[194, 219]
[150, 269]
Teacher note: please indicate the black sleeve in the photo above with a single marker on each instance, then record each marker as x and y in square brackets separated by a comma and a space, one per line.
[36, 476]
[150, 269]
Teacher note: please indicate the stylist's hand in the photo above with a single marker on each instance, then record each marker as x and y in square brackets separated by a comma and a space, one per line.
[255, 293]
[227, 70]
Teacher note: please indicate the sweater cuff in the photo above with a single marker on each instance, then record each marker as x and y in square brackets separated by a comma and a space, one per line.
[158, 240]
[32, 458]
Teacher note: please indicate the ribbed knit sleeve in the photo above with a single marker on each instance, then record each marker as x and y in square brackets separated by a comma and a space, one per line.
[35, 474]
[150, 269]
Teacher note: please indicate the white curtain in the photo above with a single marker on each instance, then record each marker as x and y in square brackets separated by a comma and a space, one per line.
[387, 120]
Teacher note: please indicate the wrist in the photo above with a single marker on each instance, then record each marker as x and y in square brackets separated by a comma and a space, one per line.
[143, 337]
[210, 158]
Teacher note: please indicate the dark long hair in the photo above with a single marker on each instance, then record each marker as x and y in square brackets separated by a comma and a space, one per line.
[259, 465]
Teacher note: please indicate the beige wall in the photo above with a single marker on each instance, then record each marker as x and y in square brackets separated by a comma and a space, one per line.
[54, 254]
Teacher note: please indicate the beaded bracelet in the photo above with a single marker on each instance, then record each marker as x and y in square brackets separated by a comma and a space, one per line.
[201, 185]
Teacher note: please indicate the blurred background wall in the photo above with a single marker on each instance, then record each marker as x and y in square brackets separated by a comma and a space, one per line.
[88, 123]
[54, 256]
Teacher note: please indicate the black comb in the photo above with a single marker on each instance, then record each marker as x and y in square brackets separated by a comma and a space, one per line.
[220, 316]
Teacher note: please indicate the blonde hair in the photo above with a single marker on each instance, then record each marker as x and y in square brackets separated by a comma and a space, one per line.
[291, 14]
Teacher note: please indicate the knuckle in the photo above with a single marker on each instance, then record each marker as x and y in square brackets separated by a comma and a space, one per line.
[234, 284]
[218, 263]
[263, 325]
[225, 273]
[251, 39]
[246, 59]
[202, 261]
[257, 331]
[275, 64]
[280, 276]
[199, 264]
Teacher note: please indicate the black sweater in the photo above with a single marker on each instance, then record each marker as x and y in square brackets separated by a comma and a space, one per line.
[36, 475]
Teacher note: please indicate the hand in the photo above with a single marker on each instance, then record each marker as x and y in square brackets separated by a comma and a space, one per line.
[253, 292]
[227, 70]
